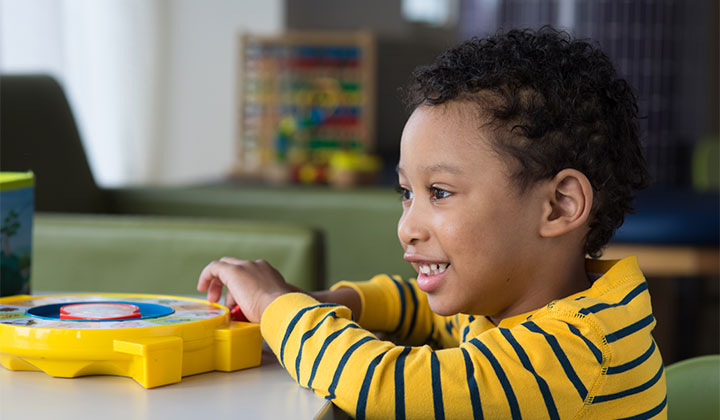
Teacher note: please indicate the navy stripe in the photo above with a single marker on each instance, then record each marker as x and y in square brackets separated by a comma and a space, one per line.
[632, 328]
[449, 327]
[365, 388]
[400, 384]
[593, 348]
[309, 333]
[631, 391]
[436, 387]
[343, 362]
[467, 328]
[472, 386]
[602, 306]
[401, 292]
[509, 393]
[544, 389]
[292, 324]
[650, 413]
[430, 339]
[413, 295]
[580, 298]
[633, 363]
[561, 357]
[330, 338]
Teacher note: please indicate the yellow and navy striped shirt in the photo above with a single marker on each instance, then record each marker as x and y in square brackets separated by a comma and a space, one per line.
[587, 356]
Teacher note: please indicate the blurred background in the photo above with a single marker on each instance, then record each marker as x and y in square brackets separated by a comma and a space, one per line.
[154, 84]
[220, 108]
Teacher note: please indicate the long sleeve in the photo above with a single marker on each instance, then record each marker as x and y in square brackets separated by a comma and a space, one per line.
[495, 376]
[586, 357]
[398, 307]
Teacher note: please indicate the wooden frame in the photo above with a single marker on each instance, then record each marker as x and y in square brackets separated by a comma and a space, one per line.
[255, 132]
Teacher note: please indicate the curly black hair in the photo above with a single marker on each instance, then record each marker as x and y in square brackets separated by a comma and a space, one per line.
[559, 103]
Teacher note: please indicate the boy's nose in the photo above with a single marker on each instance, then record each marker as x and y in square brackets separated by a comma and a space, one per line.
[412, 227]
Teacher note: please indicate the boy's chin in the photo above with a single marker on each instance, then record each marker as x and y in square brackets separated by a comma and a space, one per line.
[442, 308]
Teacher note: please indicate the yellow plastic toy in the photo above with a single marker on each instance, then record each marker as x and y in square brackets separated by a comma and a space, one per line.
[153, 339]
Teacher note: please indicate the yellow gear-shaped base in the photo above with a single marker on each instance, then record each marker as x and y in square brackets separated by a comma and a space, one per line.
[199, 337]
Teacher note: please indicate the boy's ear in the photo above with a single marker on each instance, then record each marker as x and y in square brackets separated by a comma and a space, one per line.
[567, 204]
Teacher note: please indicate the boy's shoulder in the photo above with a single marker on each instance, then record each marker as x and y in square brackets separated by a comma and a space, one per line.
[615, 314]
[618, 293]
[617, 304]
[617, 285]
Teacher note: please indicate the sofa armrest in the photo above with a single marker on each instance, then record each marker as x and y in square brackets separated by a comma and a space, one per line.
[164, 255]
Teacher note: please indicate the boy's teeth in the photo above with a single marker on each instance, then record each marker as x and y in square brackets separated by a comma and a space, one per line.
[432, 268]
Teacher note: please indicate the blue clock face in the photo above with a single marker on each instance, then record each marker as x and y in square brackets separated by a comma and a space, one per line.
[100, 311]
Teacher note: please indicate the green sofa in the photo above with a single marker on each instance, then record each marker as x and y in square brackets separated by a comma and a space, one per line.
[137, 254]
[359, 226]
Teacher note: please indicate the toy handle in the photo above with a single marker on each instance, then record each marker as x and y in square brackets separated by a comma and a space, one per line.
[236, 314]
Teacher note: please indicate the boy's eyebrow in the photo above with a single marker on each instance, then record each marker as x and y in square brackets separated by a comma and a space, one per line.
[439, 167]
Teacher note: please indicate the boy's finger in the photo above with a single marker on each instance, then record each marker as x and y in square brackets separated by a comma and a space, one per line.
[212, 281]
[205, 278]
[229, 300]
[232, 260]
[223, 273]
[215, 290]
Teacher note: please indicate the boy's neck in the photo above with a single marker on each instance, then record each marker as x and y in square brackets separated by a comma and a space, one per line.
[550, 281]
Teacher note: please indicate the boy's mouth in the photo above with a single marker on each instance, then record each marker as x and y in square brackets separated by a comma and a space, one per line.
[431, 275]
[432, 269]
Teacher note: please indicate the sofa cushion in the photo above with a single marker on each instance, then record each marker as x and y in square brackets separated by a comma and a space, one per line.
[137, 254]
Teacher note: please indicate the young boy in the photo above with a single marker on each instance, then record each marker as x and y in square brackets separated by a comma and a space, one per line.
[518, 161]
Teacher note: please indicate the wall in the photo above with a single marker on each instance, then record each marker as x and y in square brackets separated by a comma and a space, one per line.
[151, 82]
[199, 125]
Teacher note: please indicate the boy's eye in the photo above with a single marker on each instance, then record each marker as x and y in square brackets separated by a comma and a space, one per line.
[439, 193]
[405, 194]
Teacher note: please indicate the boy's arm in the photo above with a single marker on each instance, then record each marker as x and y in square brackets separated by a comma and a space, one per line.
[395, 306]
[503, 373]
[540, 368]
[345, 296]
[381, 304]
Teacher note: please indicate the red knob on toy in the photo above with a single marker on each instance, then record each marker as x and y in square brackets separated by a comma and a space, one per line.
[236, 314]
[100, 311]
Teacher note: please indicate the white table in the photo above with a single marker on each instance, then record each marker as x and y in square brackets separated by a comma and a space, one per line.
[264, 392]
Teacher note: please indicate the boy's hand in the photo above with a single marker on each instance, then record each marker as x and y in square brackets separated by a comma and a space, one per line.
[253, 285]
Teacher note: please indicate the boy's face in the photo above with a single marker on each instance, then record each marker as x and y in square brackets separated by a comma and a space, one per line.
[462, 213]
